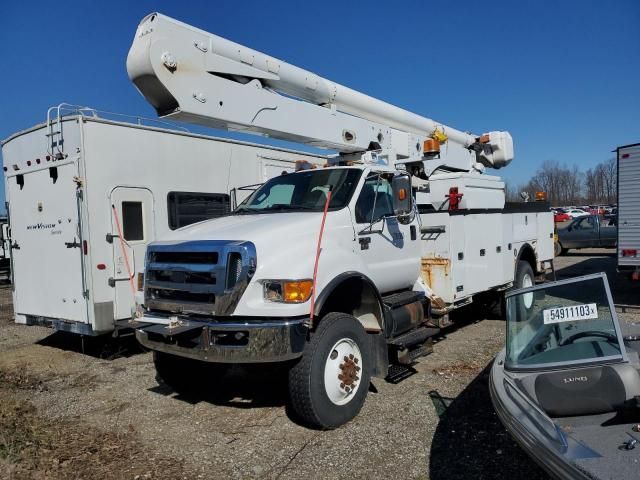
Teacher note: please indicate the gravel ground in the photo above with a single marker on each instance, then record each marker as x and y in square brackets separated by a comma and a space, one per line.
[101, 413]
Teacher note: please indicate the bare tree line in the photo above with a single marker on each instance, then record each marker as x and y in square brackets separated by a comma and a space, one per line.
[569, 185]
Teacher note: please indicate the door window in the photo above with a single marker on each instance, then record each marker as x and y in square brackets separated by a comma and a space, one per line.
[375, 201]
[185, 208]
[586, 223]
[132, 221]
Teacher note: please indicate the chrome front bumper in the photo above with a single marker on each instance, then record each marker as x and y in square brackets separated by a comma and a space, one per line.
[238, 341]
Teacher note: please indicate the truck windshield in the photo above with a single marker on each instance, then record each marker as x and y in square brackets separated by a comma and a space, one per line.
[563, 323]
[303, 191]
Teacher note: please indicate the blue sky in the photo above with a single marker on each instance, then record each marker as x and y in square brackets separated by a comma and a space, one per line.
[562, 76]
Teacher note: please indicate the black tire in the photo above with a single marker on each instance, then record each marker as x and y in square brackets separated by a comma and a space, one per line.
[307, 391]
[179, 373]
[523, 271]
[558, 249]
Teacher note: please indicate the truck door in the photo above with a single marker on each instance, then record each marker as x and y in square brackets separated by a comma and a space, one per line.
[608, 232]
[132, 208]
[584, 233]
[390, 249]
[47, 245]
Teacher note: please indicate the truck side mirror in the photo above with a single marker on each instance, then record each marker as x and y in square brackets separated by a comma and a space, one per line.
[402, 195]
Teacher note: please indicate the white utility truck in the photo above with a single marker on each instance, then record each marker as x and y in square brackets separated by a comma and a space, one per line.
[86, 194]
[345, 272]
[629, 209]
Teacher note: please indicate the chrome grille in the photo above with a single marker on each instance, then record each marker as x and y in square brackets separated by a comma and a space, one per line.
[203, 277]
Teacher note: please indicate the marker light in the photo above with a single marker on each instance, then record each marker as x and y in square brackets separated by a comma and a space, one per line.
[431, 146]
[454, 198]
[140, 281]
[402, 194]
[101, 266]
[629, 252]
[287, 291]
[541, 196]
[304, 165]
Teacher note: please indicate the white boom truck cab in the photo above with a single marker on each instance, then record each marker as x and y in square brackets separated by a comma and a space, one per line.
[345, 271]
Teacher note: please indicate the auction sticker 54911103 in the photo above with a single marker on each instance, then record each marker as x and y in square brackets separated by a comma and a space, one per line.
[586, 311]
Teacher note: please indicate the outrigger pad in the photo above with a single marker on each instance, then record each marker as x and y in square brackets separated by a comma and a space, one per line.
[587, 391]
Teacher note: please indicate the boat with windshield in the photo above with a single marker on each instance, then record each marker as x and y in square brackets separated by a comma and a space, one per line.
[567, 384]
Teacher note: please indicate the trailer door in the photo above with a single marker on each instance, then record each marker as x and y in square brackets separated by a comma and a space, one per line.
[132, 212]
[47, 244]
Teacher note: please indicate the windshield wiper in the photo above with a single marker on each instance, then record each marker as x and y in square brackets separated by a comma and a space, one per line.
[289, 207]
[272, 208]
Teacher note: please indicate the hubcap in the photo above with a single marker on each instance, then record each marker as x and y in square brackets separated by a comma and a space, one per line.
[342, 371]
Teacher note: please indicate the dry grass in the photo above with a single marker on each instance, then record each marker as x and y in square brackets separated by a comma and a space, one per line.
[32, 447]
[6, 305]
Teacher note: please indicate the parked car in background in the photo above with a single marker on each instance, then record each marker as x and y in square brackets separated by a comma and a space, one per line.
[577, 212]
[561, 216]
[587, 232]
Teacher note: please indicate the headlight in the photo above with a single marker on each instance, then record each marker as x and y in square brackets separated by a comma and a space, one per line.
[287, 291]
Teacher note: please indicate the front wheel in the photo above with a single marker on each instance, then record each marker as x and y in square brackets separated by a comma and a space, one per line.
[329, 384]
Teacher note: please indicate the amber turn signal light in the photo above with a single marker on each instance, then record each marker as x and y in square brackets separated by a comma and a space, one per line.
[288, 291]
[297, 292]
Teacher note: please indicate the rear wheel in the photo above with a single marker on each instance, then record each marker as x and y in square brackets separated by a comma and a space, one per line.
[524, 278]
[557, 249]
[329, 384]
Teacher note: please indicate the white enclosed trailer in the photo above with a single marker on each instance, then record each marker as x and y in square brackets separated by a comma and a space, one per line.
[75, 182]
[629, 208]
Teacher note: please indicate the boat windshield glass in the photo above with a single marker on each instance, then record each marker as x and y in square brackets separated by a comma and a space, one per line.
[303, 191]
[563, 323]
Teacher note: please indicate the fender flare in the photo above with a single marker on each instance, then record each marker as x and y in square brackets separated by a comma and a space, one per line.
[526, 246]
[336, 282]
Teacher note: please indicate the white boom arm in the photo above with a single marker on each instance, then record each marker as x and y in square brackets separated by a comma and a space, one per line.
[190, 75]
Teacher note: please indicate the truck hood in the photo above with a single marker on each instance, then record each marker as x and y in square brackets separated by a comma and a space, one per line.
[288, 226]
[284, 242]
[285, 247]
